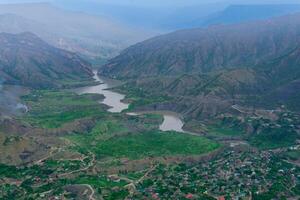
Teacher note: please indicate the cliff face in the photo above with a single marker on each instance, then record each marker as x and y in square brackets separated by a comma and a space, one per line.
[27, 60]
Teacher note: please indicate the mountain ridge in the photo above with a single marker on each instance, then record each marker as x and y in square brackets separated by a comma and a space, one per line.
[29, 61]
[206, 49]
[207, 70]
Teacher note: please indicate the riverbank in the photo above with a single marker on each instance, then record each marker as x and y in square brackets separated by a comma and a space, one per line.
[79, 143]
[172, 121]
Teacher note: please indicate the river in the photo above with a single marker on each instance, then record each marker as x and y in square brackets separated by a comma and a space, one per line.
[172, 121]
[112, 99]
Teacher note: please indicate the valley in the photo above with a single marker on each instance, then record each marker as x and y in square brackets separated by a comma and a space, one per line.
[98, 151]
[209, 113]
[86, 140]
[114, 101]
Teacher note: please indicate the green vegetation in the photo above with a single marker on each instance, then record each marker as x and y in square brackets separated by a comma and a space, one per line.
[14, 172]
[63, 165]
[271, 139]
[139, 97]
[262, 132]
[97, 181]
[157, 143]
[228, 126]
[73, 83]
[36, 180]
[147, 121]
[114, 143]
[104, 130]
[69, 147]
[274, 134]
[264, 174]
[52, 109]
[111, 138]
[9, 171]
[227, 131]
[292, 154]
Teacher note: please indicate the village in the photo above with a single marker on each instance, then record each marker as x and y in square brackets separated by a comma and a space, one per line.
[235, 174]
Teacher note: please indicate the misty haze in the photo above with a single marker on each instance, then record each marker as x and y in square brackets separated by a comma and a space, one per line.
[150, 100]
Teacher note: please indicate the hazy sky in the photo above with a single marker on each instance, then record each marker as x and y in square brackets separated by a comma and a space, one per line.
[160, 2]
[126, 2]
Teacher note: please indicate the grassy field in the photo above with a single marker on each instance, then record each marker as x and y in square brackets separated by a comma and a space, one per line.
[226, 131]
[104, 130]
[52, 109]
[156, 144]
[228, 126]
[146, 144]
[293, 154]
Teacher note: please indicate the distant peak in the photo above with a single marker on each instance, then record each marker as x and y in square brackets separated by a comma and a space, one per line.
[261, 5]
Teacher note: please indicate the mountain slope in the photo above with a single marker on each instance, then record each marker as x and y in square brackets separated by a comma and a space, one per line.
[207, 71]
[27, 60]
[205, 50]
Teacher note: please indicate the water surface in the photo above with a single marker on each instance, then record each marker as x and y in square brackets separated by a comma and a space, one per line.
[172, 121]
[112, 99]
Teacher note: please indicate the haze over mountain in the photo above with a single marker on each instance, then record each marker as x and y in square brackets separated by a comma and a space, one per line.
[171, 15]
[88, 35]
[176, 15]
[243, 13]
[119, 21]
[155, 17]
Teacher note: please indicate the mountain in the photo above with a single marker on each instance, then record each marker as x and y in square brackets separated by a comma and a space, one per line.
[89, 35]
[203, 50]
[206, 71]
[27, 60]
[243, 13]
